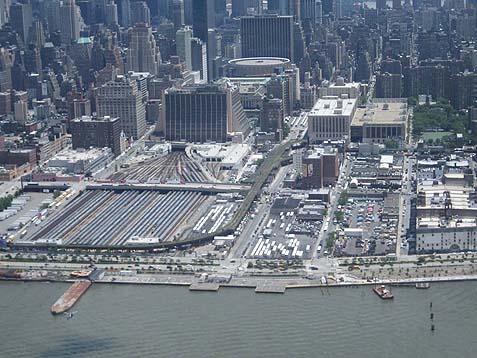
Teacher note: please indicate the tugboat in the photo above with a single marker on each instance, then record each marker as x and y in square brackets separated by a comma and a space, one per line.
[383, 292]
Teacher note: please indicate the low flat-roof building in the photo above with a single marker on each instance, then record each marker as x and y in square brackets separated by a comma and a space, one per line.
[330, 119]
[339, 88]
[383, 120]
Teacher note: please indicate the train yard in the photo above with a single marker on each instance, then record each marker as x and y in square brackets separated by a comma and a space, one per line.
[173, 167]
[112, 219]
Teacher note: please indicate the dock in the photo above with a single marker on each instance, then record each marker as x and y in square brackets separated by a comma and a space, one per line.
[204, 287]
[271, 287]
[70, 297]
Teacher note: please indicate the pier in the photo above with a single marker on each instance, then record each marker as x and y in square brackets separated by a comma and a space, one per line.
[70, 297]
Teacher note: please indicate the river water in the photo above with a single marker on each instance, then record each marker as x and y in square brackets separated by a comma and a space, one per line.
[163, 321]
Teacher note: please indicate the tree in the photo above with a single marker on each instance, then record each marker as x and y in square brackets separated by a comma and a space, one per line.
[343, 199]
[339, 216]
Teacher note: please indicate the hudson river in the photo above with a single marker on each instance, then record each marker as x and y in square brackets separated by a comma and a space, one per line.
[160, 321]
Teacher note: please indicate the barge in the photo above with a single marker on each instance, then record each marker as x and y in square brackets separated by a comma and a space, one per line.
[70, 297]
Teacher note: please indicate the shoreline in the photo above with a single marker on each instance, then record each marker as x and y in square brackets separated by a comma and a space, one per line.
[260, 284]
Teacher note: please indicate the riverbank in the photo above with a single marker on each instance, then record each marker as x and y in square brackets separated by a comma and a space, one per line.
[261, 284]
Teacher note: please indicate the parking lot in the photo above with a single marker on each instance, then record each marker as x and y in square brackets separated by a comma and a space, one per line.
[284, 237]
[31, 205]
[365, 230]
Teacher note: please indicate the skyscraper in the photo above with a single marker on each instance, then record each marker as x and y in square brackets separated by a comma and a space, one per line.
[69, 23]
[183, 46]
[177, 13]
[203, 17]
[267, 35]
[121, 98]
[199, 57]
[21, 19]
[203, 113]
[143, 54]
[140, 13]
[125, 11]
[242, 7]
[111, 13]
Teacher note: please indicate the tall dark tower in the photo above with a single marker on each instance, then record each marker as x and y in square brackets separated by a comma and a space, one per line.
[202, 18]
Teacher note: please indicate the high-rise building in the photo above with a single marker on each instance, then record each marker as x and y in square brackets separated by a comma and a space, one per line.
[52, 10]
[183, 46]
[311, 13]
[268, 36]
[214, 54]
[388, 85]
[203, 18]
[121, 98]
[380, 5]
[140, 13]
[208, 113]
[177, 13]
[70, 19]
[96, 132]
[21, 19]
[279, 7]
[111, 14]
[271, 116]
[143, 54]
[246, 7]
[463, 90]
[125, 11]
[199, 57]
[4, 11]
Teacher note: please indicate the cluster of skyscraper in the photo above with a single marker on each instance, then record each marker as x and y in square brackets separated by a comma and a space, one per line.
[209, 69]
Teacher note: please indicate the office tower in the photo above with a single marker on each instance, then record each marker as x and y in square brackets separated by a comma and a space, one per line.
[36, 35]
[143, 54]
[98, 132]
[267, 35]
[188, 9]
[220, 13]
[310, 12]
[125, 11]
[140, 13]
[207, 113]
[203, 18]
[327, 7]
[199, 57]
[183, 46]
[380, 5]
[88, 11]
[338, 9]
[285, 7]
[246, 7]
[214, 54]
[177, 13]
[121, 98]
[21, 19]
[52, 10]
[271, 116]
[6, 64]
[4, 11]
[69, 23]
[111, 14]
